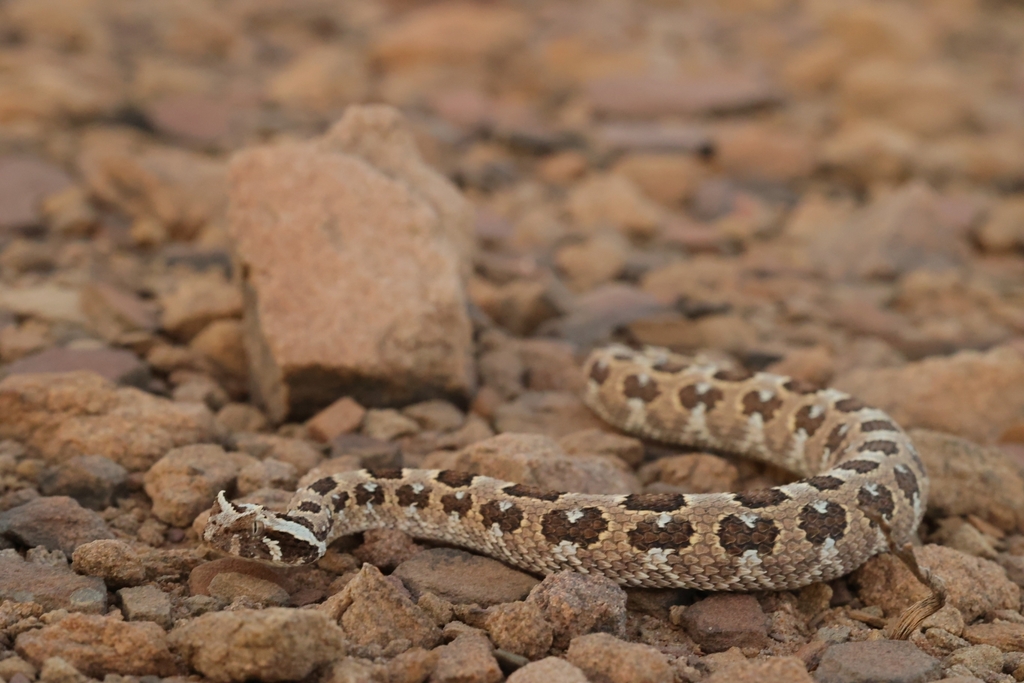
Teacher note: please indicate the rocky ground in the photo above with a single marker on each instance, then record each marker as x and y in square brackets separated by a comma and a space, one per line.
[215, 274]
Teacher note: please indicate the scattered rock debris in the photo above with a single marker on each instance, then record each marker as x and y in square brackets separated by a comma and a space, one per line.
[247, 245]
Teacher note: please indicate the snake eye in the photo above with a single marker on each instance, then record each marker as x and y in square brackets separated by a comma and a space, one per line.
[255, 528]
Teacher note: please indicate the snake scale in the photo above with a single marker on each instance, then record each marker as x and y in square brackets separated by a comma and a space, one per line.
[857, 466]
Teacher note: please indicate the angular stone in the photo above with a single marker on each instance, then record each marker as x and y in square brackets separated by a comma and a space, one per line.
[547, 670]
[974, 586]
[578, 604]
[482, 581]
[968, 479]
[223, 342]
[520, 628]
[772, 670]
[146, 603]
[54, 522]
[374, 612]
[976, 395]
[229, 586]
[983, 661]
[600, 442]
[92, 480]
[51, 587]
[436, 415]
[60, 416]
[198, 300]
[186, 481]
[603, 657]
[275, 644]
[470, 657]
[341, 417]
[398, 243]
[878, 661]
[117, 365]
[1007, 636]
[100, 645]
[116, 562]
[388, 424]
[302, 454]
[720, 622]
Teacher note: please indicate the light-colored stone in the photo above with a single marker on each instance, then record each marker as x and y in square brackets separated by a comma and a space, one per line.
[972, 394]
[63, 415]
[186, 481]
[398, 242]
[100, 645]
[276, 644]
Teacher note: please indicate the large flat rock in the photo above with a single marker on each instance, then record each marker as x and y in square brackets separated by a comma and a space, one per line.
[351, 252]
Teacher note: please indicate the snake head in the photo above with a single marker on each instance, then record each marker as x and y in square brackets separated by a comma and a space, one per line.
[255, 533]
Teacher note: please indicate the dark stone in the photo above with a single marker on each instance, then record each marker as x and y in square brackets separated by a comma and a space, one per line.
[722, 621]
[877, 661]
[54, 522]
[50, 586]
[117, 365]
[92, 480]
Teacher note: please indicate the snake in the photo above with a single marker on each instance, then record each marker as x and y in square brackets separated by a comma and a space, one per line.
[861, 486]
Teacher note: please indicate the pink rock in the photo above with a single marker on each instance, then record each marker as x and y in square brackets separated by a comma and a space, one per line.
[24, 183]
[351, 253]
[116, 365]
[652, 96]
[192, 117]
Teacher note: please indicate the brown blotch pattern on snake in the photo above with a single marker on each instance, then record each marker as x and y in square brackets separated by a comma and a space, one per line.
[836, 437]
[737, 535]
[907, 482]
[807, 421]
[799, 386]
[674, 534]
[880, 446]
[455, 478]
[822, 521]
[849, 405]
[876, 499]
[825, 482]
[451, 502]
[641, 387]
[690, 397]
[525, 491]
[369, 493]
[858, 466]
[735, 375]
[760, 498]
[582, 527]
[754, 403]
[508, 517]
[323, 486]
[654, 502]
[339, 500]
[385, 472]
[408, 494]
